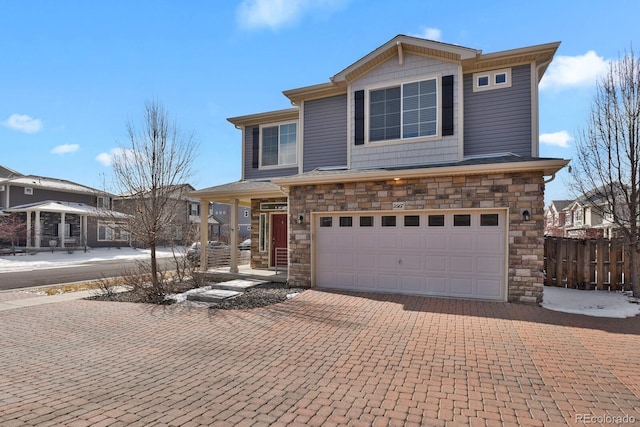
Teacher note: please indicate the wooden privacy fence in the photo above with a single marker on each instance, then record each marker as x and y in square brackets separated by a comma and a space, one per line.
[586, 264]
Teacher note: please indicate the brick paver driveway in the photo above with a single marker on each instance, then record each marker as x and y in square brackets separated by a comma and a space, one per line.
[320, 359]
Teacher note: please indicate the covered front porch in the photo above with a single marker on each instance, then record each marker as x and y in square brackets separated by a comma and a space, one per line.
[56, 224]
[269, 226]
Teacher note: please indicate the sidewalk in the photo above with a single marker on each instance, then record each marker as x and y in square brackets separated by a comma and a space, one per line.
[18, 299]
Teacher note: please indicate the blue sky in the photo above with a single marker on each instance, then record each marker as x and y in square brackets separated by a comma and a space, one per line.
[73, 72]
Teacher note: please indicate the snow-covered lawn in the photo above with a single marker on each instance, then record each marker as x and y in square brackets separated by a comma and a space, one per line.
[63, 259]
[591, 303]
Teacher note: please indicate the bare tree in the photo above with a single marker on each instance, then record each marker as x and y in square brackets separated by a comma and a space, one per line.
[150, 174]
[606, 170]
[11, 228]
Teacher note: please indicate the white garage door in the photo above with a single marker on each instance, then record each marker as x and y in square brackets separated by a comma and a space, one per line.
[453, 253]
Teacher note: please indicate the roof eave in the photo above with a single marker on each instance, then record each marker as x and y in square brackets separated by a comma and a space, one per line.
[547, 167]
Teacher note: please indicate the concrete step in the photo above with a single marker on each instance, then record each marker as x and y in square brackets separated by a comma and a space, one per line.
[212, 295]
[238, 285]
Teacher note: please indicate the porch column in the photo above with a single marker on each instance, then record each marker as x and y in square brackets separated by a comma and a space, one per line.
[204, 233]
[233, 267]
[37, 230]
[61, 228]
[83, 233]
[29, 230]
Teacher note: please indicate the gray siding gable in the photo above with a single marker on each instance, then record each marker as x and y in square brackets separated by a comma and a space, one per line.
[499, 120]
[325, 133]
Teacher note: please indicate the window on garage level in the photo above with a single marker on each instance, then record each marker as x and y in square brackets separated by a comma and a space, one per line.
[412, 220]
[388, 220]
[488, 220]
[366, 221]
[346, 221]
[462, 220]
[436, 220]
[326, 221]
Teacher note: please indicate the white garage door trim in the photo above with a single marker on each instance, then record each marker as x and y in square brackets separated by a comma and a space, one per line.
[419, 255]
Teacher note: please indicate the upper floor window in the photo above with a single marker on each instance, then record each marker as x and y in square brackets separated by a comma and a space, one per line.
[495, 79]
[28, 191]
[409, 110]
[104, 202]
[194, 209]
[279, 146]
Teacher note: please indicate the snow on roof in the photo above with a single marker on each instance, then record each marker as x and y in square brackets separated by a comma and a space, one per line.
[54, 184]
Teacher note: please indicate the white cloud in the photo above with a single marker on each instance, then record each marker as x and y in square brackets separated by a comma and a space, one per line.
[275, 14]
[429, 33]
[23, 123]
[574, 71]
[65, 148]
[106, 159]
[559, 139]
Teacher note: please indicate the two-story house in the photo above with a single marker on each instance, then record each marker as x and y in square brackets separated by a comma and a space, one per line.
[554, 218]
[414, 170]
[59, 213]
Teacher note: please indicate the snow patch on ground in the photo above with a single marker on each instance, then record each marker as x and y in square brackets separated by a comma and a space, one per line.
[591, 303]
[64, 259]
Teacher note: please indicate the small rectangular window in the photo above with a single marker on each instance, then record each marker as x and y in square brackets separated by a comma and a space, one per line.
[389, 221]
[436, 220]
[366, 221]
[326, 221]
[28, 191]
[501, 78]
[483, 81]
[488, 220]
[412, 220]
[462, 220]
[262, 233]
[346, 221]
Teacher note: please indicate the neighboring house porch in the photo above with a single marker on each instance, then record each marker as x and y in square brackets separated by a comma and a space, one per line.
[52, 224]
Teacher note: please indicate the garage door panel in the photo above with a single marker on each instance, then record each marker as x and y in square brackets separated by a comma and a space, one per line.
[489, 265]
[412, 284]
[436, 263]
[461, 242]
[489, 289]
[462, 263]
[423, 259]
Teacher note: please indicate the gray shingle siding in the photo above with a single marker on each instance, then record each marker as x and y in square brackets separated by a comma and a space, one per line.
[325, 132]
[499, 120]
[254, 173]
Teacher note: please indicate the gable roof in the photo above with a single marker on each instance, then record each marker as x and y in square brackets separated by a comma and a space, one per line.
[5, 172]
[559, 205]
[67, 208]
[472, 60]
[53, 184]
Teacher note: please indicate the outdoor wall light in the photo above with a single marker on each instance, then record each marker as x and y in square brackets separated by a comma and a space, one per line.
[299, 219]
[526, 216]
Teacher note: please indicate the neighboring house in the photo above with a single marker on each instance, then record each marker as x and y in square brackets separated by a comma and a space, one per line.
[554, 218]
[58, 212]
[222, 212]
[583, 218]
[415, 170]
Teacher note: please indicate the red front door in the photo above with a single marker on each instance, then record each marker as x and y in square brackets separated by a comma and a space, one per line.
[279, 239]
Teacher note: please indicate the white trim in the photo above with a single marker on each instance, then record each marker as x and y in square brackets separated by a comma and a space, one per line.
[400, 83]
[28, 191]
[243, 157]
[300, 139]
[458, 129]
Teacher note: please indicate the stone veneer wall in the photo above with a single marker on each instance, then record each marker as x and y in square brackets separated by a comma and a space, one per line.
[516, 191]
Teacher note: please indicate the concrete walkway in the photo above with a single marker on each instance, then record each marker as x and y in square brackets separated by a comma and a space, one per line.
[19, 299]
[320, 359]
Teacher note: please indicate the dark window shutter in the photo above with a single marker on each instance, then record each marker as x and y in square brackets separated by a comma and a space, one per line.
[447, 105]
[359, 110]
[256, 147]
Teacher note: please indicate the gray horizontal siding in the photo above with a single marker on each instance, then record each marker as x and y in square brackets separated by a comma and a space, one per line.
[499, 120]
[249, 171]
[325, 132]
